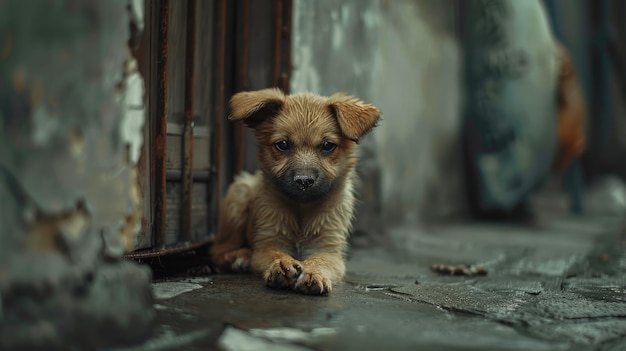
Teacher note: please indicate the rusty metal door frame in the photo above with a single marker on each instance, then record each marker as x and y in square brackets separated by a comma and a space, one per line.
[249, 37]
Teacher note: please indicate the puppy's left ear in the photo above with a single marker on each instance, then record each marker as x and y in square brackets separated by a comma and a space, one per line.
[254, 107]
[355, 117]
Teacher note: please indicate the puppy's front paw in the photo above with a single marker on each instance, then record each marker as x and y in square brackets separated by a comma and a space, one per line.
[314, 283]
[235, 261]
[283, 273]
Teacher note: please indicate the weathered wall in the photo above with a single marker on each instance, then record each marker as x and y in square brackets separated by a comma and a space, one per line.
[403, 57]
[511, 70]
[409, 58]
[71, 116]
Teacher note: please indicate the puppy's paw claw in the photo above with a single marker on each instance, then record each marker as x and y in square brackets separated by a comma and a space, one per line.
[313, 284]
[283, 273]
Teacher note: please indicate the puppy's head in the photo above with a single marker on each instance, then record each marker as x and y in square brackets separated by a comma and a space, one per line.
[306, 142]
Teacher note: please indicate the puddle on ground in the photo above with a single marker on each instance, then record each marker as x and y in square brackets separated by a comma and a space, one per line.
[168, 341]
[167, 290]
[233, 339]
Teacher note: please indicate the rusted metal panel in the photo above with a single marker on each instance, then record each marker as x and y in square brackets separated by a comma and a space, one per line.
[193, 151]
[159, 138]
[190, 56]
[199, 220]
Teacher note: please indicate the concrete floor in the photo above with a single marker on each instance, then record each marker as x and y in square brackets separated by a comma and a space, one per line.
[558, 283]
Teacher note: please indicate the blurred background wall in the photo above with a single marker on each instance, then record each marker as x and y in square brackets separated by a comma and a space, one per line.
[409, 58]
[403, 57]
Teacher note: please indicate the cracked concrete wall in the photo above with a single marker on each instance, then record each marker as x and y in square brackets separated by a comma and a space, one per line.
[402, 56]
[71, 119]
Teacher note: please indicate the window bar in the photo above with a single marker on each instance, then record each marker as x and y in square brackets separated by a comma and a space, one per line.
[190, 55]
[218, 120]
[160, 127]
[243, 83]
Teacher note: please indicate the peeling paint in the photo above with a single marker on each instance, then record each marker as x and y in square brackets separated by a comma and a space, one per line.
[132, 223]
[131, 126]
[47, 232]
[74, 226]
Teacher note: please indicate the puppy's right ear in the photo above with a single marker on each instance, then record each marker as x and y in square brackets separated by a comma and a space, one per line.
[253, 107]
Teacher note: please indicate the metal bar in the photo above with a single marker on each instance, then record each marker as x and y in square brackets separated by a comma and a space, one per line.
[190, 60]
[199, 175]
[243, 83]
[141, 254]
[286, 38]
[219, 116]
[160, 127]
[278, 43]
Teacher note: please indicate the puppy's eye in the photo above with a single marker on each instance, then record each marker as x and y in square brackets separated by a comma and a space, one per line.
[328, 147]
[283, 145]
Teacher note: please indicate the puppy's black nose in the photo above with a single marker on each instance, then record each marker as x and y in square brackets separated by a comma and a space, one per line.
[304, 181]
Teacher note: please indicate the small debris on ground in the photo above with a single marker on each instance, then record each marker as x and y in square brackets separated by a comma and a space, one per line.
[458, 269]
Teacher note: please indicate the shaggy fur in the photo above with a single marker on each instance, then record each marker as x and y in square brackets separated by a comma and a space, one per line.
[290, 221]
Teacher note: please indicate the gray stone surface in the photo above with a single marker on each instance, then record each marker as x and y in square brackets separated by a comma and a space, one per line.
[556, 283]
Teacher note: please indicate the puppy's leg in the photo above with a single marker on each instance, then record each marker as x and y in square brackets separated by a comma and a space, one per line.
[279, 269]
[230, 250]
[324, 266]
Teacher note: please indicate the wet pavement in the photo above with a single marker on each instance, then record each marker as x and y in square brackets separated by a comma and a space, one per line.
[558, 283]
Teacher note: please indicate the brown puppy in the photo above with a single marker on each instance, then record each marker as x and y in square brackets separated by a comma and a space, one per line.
[290, 221]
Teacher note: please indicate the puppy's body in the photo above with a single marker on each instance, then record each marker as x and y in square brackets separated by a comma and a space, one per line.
[290, 221]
